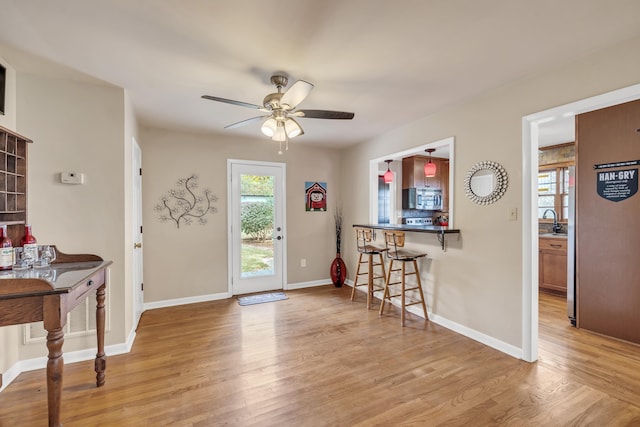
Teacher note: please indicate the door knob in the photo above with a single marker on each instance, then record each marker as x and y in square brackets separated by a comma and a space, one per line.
[279, 238]
[137, 245]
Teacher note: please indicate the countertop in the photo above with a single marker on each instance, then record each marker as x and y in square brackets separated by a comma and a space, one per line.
[436, 229]
[552, 236]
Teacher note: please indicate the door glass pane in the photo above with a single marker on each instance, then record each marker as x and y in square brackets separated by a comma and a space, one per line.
[256, 225]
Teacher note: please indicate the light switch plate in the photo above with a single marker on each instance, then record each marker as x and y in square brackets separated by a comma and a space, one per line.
[513, 214]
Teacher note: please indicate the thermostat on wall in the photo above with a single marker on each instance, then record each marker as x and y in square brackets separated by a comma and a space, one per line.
[71, 178]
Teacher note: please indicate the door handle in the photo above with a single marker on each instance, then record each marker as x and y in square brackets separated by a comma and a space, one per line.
[137, 245]
[279, 238]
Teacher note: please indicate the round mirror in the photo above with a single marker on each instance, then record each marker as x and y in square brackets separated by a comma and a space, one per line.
[486, 182]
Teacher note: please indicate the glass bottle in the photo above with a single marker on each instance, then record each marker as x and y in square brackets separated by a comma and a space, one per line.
[30, 244]
[6, 249]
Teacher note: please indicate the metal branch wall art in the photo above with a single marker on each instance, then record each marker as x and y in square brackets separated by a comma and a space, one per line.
[184, 205]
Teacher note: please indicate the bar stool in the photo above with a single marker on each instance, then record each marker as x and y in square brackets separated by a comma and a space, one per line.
[367, 250]
[393, 241]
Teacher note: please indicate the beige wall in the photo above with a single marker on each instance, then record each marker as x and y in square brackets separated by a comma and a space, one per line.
[9, 335]
[192, 261]
[477, 283]
[77, 127]
[87, 128]
[8, 119]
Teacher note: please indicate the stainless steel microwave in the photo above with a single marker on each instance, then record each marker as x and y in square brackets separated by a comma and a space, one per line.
[422, 198]
[428, 199]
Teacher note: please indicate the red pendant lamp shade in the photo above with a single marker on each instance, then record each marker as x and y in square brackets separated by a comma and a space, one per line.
[430, 168]
[388, 175]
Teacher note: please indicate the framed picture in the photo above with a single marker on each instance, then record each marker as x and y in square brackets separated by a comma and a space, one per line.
[315, 194]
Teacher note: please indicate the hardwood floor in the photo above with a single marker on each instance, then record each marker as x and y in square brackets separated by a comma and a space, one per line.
[318, 359]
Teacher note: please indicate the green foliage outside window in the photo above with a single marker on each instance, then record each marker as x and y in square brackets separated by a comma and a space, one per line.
[256, 219]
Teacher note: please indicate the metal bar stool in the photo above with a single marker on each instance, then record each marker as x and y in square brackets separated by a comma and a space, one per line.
[393, 241]
[367, 250]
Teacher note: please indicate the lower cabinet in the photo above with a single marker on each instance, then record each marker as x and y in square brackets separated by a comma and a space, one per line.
[552, 264]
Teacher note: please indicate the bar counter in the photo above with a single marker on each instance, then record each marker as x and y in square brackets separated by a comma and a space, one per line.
[433, 229]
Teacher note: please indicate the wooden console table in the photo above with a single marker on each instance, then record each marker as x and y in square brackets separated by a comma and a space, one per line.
[49, 294]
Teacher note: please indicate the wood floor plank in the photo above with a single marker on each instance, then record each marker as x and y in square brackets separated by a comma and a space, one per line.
[319, 359]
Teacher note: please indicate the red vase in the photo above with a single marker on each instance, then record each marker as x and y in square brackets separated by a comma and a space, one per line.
[338, 271]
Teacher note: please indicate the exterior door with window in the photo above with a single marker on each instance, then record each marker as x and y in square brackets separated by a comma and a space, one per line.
[256, 226]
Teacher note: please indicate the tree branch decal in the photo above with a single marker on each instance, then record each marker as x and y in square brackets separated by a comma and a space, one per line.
[183, 204]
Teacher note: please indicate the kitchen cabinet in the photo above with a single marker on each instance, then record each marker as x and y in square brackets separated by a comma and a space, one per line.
[413, 172]
[552, 264]
[413, 175]
[13, 182]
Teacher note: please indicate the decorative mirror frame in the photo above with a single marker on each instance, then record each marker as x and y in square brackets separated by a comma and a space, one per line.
[502, 182]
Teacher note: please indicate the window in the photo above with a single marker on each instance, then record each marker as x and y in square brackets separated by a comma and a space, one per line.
[553, 192]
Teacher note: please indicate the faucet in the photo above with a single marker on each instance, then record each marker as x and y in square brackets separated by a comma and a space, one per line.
[556, 227]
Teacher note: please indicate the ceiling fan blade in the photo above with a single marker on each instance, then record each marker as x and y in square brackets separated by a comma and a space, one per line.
[231, 101]
[296, 94]
[323, 114]
[244, 122]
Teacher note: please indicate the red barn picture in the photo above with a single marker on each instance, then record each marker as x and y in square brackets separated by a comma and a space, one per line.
[315, 196]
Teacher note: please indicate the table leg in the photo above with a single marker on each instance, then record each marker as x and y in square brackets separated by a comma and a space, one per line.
[55, 368]
[101, 358]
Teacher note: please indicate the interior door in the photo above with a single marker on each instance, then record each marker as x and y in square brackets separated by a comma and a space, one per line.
[138, 297]
[257, 226]
[608, 221]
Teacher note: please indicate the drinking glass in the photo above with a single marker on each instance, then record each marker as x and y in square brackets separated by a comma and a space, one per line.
[21, 260]
[46, 255]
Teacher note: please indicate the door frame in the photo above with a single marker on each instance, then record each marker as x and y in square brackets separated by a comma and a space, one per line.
[138, 292]
[282, 167]
[530, 202]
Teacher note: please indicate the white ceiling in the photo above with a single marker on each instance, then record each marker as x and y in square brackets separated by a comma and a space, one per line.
[389, 62]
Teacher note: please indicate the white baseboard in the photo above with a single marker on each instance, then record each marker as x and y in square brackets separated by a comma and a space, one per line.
[311, 284]
[69, 357]
[487, 340]
[9, 375]
[187, 300]
[490, 341]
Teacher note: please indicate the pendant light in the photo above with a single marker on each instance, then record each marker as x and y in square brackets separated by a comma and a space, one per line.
[388, 175]
[430, 168]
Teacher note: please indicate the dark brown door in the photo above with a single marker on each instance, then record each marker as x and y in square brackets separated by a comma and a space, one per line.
[608, 221]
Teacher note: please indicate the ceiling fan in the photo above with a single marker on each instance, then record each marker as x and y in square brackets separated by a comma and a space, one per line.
[280, 123]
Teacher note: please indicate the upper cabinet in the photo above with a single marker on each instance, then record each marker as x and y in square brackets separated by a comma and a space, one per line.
[413, 172]
[13, 182]
[413, 175]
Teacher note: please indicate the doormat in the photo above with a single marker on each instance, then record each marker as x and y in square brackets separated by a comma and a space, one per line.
[260, 298]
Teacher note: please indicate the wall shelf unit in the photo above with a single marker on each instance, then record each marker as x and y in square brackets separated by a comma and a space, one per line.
[13, 182]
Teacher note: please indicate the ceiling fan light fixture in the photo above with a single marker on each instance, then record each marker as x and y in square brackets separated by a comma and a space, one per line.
[269, 127]
[292, 128]
[280, 134]
[279, 124]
